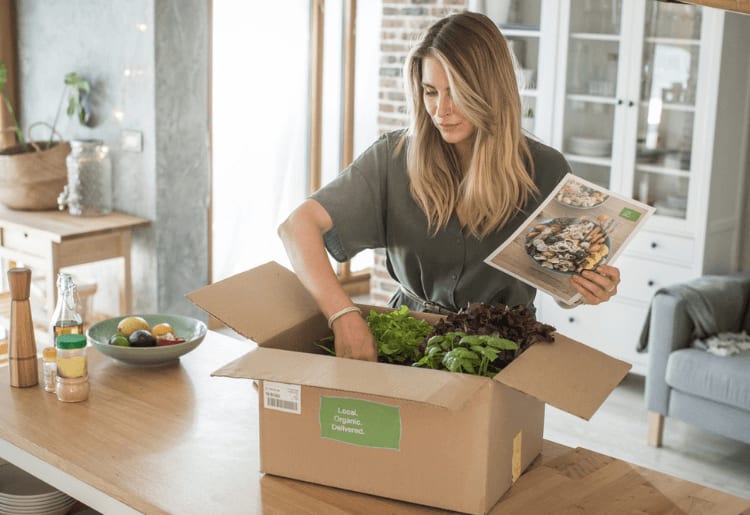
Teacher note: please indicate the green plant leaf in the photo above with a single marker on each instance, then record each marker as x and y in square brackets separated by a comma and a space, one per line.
[501, 343]
[459, 359]
[3, 76]
[398, 334]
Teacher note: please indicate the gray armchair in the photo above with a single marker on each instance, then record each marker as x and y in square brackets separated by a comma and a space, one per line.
[691, 384]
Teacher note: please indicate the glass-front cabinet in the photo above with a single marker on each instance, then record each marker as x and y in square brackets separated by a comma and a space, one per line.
[530, 28]
[648, 99]
[627, 100]
[666, 108]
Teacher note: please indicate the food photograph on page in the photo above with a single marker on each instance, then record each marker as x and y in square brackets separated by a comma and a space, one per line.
[578, 227]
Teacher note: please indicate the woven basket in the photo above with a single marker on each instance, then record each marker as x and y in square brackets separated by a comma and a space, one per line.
[32, 180]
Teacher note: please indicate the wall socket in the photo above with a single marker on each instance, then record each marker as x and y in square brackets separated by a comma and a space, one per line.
[131, 141]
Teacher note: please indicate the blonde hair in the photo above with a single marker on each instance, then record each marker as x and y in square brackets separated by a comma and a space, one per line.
[483, 86]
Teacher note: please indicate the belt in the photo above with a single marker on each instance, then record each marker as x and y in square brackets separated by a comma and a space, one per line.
[429, 307]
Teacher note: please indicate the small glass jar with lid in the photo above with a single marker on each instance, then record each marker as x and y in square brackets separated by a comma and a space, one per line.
[89, 188]
[72, 368]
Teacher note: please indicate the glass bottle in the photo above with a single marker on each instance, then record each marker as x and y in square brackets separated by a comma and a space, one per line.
[49, 362]
[72, 383]
[66, 318]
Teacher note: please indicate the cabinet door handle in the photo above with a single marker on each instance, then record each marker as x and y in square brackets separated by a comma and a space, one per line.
[650, 283]
[631, 103]
[571, 319]
[619, 102]
[654, 244]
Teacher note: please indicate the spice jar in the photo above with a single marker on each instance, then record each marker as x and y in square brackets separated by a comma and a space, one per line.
[49, 359]
[72, 383]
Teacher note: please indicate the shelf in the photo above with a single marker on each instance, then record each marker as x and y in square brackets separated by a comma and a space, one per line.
[673, 41]
[662, 170]
[595, 99]
[592, 36]
[671, 107]
[600, 161]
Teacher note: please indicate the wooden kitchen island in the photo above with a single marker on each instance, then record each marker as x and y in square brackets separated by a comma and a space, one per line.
[172, 439]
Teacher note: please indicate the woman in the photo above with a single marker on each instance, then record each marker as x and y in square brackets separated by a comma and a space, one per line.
[439, 197]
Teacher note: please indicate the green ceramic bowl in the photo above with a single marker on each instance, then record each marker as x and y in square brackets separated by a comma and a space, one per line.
[189, 328]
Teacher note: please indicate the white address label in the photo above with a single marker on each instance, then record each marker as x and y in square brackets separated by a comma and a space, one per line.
[282, 397]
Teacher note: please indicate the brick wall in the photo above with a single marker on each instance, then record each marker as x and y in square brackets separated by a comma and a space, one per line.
[403, 23]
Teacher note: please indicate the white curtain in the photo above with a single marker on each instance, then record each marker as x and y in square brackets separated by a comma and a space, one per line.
[260, 124]
[261, 55]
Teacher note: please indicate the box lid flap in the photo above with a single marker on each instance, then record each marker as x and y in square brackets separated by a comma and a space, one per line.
[566, 374]
[259, 303]
[434, 387]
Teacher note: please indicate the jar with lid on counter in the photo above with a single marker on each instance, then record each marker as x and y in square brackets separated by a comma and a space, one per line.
[89, 189]
[72, 368]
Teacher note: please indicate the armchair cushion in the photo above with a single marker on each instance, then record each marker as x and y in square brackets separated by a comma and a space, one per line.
[717, 378]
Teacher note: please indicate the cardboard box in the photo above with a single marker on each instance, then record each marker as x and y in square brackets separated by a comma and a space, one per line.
[430, 437]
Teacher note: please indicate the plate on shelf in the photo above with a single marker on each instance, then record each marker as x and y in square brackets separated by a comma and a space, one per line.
[664, 209]
[594, 147]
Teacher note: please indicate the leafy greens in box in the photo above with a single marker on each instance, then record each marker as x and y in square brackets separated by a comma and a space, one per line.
[481, 340]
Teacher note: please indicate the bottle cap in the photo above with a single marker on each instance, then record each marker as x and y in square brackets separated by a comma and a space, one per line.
[71, 341]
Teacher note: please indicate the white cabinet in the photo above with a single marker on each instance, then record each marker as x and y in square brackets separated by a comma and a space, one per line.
[649, 99]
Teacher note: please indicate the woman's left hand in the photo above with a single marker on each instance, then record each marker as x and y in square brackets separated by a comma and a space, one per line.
[597, 286]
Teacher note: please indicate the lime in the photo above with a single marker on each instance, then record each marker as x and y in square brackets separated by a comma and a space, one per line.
[120, 340]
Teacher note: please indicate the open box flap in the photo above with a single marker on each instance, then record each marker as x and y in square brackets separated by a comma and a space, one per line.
[566, 374]
[433, 387]
[259, 303]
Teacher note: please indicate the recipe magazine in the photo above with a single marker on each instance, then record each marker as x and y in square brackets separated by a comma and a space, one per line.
[579, 226]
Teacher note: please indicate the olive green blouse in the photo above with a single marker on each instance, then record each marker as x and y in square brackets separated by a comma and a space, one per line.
[371, 207]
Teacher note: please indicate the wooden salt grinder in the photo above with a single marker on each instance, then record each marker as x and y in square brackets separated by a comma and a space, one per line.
[22, 345]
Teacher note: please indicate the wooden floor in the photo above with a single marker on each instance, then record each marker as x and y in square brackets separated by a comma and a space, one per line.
[619, 429]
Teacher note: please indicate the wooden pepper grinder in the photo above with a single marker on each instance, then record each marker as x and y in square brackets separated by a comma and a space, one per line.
[22, 345]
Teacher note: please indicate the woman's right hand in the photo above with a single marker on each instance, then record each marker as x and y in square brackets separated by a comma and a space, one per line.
[353, 338]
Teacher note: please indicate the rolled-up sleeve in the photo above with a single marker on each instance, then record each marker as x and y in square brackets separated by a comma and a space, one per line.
[356, 201]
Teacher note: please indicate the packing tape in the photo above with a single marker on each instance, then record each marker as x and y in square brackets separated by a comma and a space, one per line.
[516, 462]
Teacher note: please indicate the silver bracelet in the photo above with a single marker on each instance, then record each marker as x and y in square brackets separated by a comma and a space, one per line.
[336, 315]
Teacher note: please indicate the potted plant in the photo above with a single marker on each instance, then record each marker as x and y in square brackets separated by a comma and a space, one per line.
[33, 173]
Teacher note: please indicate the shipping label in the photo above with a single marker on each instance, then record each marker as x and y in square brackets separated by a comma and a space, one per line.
[360, 422]
[282, 397]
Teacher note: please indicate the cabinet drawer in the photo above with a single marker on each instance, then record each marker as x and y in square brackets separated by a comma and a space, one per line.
[641, 278]
[613, 327]
[26, 242]
[662, 246]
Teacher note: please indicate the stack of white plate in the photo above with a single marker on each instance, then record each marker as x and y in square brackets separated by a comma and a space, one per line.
[597, 147]
[22, 494]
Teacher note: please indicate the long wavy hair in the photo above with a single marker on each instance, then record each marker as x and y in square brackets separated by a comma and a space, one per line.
[482, 81]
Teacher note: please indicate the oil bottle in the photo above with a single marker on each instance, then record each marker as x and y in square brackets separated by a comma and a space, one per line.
[66, 318]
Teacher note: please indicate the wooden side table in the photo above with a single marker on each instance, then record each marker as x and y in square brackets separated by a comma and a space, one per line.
[51, 240]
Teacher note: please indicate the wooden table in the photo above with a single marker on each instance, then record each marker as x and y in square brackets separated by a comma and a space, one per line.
[172, 439]
[51, 240]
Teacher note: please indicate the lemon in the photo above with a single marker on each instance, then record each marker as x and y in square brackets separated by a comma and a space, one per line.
[129, 325]
[162, 329]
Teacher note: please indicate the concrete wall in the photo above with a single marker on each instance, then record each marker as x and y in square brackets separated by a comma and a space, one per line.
[147, 61]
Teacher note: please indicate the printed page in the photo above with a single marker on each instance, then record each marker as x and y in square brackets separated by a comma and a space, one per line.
[579, 226]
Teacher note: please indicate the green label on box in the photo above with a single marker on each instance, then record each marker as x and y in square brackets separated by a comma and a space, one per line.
[630, 214]
[360, 422]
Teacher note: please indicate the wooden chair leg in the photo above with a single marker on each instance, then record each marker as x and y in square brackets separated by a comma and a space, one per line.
[655, 428]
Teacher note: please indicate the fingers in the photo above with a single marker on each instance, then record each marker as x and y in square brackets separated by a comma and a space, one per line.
[354, 340]
[597, 286]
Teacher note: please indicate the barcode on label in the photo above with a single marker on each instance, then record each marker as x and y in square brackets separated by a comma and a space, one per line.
[282, 397]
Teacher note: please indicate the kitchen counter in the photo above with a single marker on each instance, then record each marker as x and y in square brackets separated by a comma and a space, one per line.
[173, 439]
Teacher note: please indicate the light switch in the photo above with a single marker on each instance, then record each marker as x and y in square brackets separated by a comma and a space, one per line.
[131, 141]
